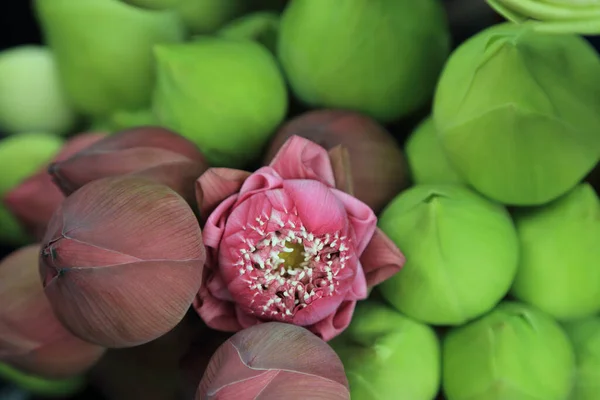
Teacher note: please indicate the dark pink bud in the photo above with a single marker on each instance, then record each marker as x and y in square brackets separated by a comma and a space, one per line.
[146, 151]
[274, 361]
[31, 337]
[122, 260]
[34, 200]
[377, 164]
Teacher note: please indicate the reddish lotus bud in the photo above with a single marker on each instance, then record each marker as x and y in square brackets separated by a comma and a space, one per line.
[274, 361]
[31, 337]
[153, 152]
[377, 164]
[122, 260]
[34, 201]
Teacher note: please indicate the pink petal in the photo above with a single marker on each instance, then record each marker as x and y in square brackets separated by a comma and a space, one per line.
[217, 184]
[217, 287]
[318, 310]
[334, 324]
[215, 313]
[300, 158]
[245, 320]
[359, 286]
[215, 224]
[318, 207]
[263, 179]
[362, 218]
[381, 259]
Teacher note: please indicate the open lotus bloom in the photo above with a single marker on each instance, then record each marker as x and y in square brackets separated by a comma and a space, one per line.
[274, 361]
[286, 244]
[150, 152]
[31, 337]
[35, 199]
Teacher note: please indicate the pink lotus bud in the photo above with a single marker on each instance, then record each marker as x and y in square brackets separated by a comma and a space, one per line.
[274, 361]
[152, 152]
[122, 260]
[34, 201]
[377, 164]
[284, 244]
[31, 337]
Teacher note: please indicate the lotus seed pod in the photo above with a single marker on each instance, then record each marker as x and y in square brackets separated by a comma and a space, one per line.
[21, 156]
[206, 16]
[154, 4]
[364, 55]
[31, 96]
[426, 158]
[262, 27]
[515, 352]
[461, 251]
[585, 338]
[387, 355]
[103, 50]
[227, 96]
[511, 102]
[554, 16]
[559, 267]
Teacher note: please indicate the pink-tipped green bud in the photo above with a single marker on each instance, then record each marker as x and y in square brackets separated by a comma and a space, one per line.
[122, 261]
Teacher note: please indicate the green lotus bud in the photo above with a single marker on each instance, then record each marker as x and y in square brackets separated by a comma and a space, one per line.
[227, 96]
[103, 50]
[47, 388]
[154, 4]
[515, 352]
[426, 158]
[560, 257]
[510, 103]
[21, 156]
[364, 55]
[31, 95]
[461, 253]
[585, 337]
[206, 16]
[388, 356]
[262, 27]
[124, 119]
[556, 16]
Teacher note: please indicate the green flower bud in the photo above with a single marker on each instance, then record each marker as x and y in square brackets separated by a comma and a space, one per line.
[461, 253]
[103, 50]
[387, 355]
[426, 158]
[555, 16]
[559, 269]
[364, 55]
[515, 352]
[206, 16]
[262, 27]
[21, 156]
[154, 4]
[510, 103]
[227, 96]
[60, 388]
[125, 119]
[585, 337]
[31, 95]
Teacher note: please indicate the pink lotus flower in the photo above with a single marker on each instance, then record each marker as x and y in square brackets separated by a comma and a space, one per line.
[284, 244]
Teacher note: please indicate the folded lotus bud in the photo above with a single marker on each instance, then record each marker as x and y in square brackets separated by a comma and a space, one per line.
[585, 338]
[426, 158]
[122, 261]
[377, 165]
[218, 115]
[36, 386]
[515, 352]
[154, 4]
[559, 257]
[512, 101]
[387, 355]
[461, 251]
[31, 96]
[338, 54]
[20, 157]
[103, 50]
[35, 199]
[262, 27]
[553, 16]
[153, 152]
[31, 337]
[274, 361]
[206, 16]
